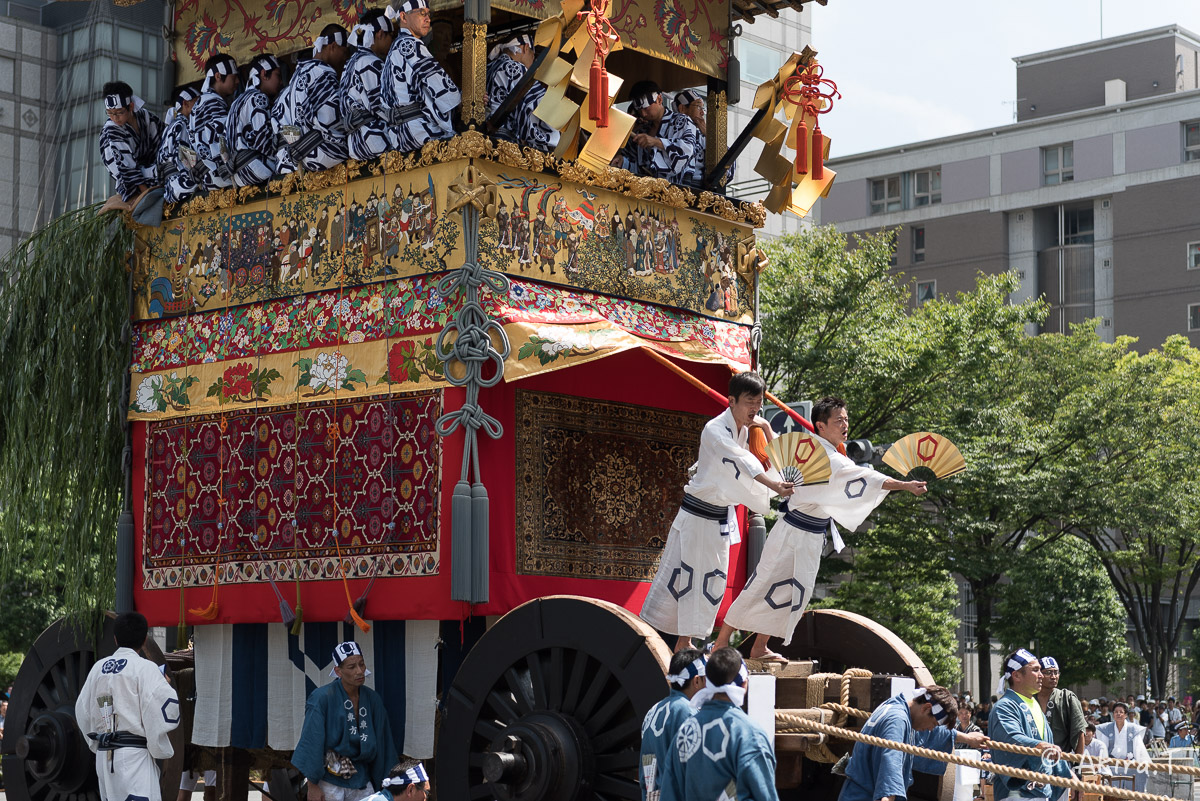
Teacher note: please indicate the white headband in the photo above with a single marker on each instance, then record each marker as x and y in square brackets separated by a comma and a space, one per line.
[645, 101]
[342, 652]
[690, 672]
[510, 46]
[1015, 662]
[939, 712]
[736, 690]
[116, 101]
[222, 67]
[414, 775]
[685, 98]
[413, 5]
[364, 35]
[337, 38]
[185, 94]
[260, 65]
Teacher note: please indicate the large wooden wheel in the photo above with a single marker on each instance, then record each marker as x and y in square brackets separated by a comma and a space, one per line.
[842, 640]
[45, 756]
[548, 706]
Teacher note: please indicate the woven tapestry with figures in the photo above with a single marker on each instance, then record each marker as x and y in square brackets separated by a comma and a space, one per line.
[271, 494]
[598, 484]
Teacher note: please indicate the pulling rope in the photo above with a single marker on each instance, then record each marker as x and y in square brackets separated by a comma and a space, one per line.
[792, 722]
[1086, 760]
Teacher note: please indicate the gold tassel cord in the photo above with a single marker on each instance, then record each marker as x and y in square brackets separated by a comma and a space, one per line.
[792, 723]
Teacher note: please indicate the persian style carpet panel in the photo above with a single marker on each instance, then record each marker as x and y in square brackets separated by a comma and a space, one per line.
[285, 493]
[598, 484]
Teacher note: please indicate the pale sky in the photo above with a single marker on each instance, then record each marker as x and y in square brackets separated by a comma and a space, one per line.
[922, 69]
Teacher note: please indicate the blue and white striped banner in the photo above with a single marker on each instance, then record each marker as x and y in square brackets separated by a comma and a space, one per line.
[252, 680]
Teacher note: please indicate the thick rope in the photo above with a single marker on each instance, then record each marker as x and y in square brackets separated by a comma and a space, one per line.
[795, 722]
[1085, 760]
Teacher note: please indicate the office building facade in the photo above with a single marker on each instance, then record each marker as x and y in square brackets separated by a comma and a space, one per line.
[1089, 196]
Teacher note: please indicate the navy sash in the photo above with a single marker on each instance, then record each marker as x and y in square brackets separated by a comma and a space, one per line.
[693, 505]
[816, 525]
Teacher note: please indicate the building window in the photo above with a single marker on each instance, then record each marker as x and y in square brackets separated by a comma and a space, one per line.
[1191, 141]
[886, 195]
[1194, 317]
[1193, 256]
[927, 187]
[926, 291]
[1058, 165]
[759, 64]
[1079, 226]
[918, 244]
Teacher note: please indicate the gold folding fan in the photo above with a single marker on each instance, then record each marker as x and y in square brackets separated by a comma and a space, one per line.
[799, 458]
[924, 456]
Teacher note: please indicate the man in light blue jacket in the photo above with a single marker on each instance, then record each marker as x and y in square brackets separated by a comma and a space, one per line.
[1017, 718]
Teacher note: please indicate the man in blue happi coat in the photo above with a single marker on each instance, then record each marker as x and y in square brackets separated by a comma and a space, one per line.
[719, 754]
[1018, 718]
[346, 747]
[663, 720]
[921, 717]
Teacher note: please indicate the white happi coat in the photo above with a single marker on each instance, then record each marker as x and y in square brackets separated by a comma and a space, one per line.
[128, 693]
[777, 593]
[690, 582]
[1128, 743]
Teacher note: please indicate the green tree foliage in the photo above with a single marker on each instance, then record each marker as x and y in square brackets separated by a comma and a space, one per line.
[63, 332]
[1061, 600]
[915, 600]
[1143, 517]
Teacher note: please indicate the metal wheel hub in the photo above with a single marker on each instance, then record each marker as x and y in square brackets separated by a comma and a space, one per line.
[54, 752]
[544, 755]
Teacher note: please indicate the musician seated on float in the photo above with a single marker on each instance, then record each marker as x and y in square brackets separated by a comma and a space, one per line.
[312, 134]
[507, 64]
[129, 146]
[416, 88]
[207, 122]
[666, 143]
[251, 134]
[361, 99]
[176, 178]
[691, 104]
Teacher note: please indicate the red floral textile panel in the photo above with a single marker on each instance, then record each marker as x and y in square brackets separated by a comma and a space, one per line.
[289, 492]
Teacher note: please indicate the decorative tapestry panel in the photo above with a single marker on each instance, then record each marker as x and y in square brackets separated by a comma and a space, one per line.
[287, 493]
[598, 484]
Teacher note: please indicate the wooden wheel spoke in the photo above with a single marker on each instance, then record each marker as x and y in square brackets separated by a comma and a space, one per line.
[537, 680]
[575, 683]
[58, 673]
[488, 729]
[605, 714]
[616, 734]
[520, 692]
[505, 708]
[596, 686]
[556, 678]
[621, 760]
[617, 787]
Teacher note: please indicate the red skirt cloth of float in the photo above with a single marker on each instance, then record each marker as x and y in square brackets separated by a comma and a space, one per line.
[583, 486]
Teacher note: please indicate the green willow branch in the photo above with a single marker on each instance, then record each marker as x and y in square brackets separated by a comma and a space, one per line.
[63, 315]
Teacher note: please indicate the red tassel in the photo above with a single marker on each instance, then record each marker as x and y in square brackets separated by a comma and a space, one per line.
[602, 120]
[801, 148]
[818, 159]
[598, 94]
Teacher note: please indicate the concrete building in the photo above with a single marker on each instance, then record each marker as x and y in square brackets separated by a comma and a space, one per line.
[1090, 196]
[761, 50]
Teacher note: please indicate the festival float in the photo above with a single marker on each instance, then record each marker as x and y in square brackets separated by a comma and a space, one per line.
[444, 404]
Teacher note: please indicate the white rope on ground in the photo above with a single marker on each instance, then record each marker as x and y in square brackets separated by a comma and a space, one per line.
[796, 722]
